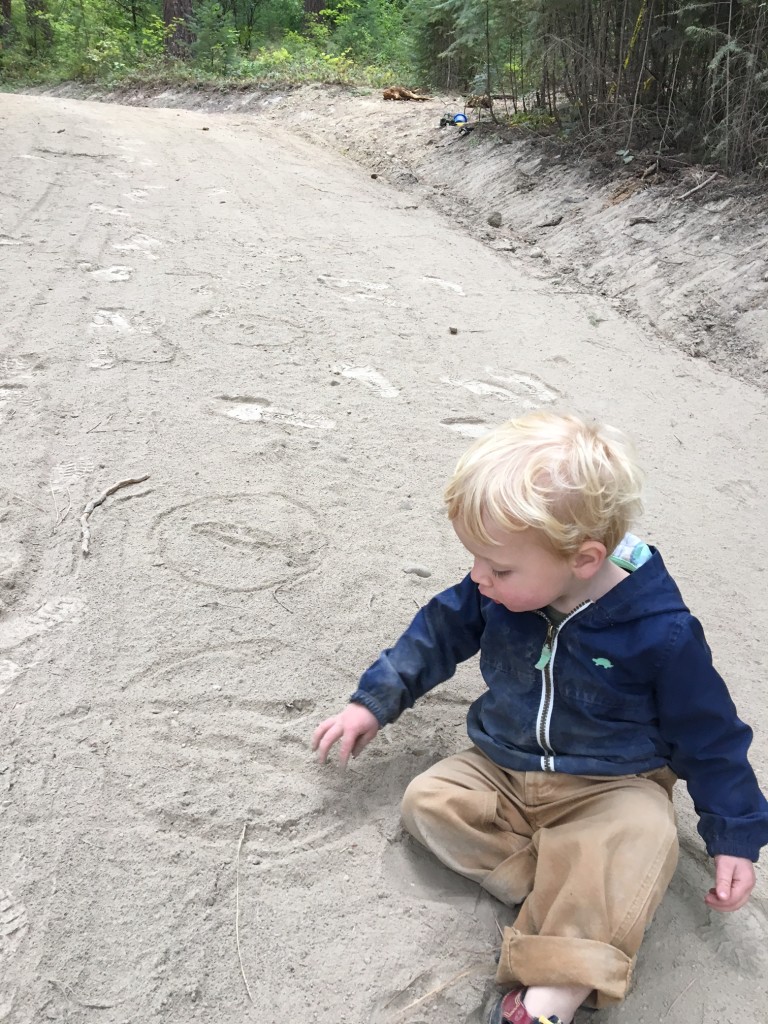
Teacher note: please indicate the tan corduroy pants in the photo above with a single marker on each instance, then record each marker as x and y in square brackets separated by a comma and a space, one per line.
[588, 857]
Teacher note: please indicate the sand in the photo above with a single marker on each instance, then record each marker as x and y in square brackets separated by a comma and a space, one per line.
[264, 329]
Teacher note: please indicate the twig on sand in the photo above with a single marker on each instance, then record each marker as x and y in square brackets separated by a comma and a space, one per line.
[24, 501]
[477, 969]
[698, 187]
[237, 910]
[90, 430]
[59, 517]
[95, 502]
[56, 508]
[675, 1001]
[274, 594]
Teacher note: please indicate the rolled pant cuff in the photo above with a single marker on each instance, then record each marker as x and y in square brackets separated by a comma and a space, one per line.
[554, 960]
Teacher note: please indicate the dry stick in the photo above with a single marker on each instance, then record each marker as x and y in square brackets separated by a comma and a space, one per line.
[69, 504]
[56, 506]
[90, 430]
[674, 1003]
[477, 969]
[237, 910]
[692, 190]
[24, 501]
[98, 501]
[59, 517]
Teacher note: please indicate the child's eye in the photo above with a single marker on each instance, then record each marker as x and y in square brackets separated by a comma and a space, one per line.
[499, 573]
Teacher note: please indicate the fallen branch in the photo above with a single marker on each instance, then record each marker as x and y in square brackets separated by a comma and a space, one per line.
[237, 910]
[690, 192]
[98, 501]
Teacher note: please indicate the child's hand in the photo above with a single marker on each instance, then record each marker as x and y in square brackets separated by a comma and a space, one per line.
[356, 726]
[734, 882]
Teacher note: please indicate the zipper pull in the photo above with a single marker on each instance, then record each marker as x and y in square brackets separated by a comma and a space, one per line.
[546, 650]
[546, 654]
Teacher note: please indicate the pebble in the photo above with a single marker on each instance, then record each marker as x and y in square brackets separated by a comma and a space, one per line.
[495, 219]
[417, 570]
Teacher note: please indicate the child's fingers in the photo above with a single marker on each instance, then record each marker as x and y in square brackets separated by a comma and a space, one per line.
[320, 731]
[332, 733]
[734, 902]
[363, 741]
[724, 878]
[734, 881]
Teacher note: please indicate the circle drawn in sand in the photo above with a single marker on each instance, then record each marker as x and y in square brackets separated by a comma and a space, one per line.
[240, 542]
[222, 736]
[268, 331]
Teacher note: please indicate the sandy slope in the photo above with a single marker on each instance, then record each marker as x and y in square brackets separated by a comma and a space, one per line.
[265, 331]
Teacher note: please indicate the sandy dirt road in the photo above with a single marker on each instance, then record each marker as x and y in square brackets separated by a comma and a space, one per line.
[265, 331]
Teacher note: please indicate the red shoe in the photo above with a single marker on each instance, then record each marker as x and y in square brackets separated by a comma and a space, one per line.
[509, 1009]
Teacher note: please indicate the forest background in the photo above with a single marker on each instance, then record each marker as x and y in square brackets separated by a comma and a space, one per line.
[682, 76]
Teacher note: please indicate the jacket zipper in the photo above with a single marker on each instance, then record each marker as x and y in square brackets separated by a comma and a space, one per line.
[545, 665]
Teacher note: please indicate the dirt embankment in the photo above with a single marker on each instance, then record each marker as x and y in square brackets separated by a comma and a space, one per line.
[685, 249]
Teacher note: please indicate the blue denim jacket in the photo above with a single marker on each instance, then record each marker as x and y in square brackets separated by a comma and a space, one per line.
[624, 685]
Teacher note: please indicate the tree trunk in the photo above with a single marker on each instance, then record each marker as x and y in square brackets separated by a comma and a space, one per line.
[177, 15]
[5, 19]
[314, 6]
[40, 33]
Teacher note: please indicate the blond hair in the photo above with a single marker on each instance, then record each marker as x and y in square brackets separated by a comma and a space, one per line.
[551, 472]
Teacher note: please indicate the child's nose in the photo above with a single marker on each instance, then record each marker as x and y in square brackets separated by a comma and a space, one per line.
[480, 574]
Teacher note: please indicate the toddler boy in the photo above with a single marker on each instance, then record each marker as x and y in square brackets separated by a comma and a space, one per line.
[600, 693]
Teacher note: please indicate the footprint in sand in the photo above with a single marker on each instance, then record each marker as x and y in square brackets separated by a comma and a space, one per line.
[447, 286]
[14, 925]
[16, 383]
[116, 211]
[369, 377]
[9, 670]
[114, 273]
[352, 282]
[123, 340]
[65, 474]
[525, 389]
[145, 245]
[260, 410]
[19, 368]
[354, 289]
[468, 426]
[15, 629]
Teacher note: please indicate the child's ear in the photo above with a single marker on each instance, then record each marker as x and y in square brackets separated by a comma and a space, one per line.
[588, 559]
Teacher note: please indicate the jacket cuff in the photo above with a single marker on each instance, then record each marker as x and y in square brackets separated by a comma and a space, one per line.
[361, 697]
[726, 848]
